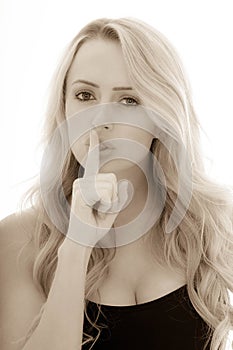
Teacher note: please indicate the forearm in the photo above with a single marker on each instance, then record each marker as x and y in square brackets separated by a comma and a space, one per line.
[61, 324]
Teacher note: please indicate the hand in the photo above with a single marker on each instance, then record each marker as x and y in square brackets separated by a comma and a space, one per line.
[97, 199]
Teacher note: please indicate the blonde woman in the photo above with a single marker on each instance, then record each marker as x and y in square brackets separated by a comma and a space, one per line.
[120, 129]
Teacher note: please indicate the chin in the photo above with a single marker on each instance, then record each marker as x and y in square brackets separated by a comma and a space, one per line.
[116, 166]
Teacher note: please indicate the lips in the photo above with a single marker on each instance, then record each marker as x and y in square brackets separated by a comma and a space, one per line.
[104, 145]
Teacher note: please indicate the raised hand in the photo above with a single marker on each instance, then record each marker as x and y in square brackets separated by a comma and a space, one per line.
[97, 199]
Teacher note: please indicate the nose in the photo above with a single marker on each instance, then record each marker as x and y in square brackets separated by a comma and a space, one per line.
[102, 119]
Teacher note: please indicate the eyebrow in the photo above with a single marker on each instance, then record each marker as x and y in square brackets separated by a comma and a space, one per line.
[119, 88]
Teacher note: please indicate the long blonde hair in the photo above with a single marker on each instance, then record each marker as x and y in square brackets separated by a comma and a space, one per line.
[202, 244]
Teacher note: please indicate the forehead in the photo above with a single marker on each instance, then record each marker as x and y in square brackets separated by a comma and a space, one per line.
[99, 61]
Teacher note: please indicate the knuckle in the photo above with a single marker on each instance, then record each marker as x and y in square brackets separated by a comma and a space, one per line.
[107, 176]
[102, 191]
[112, 176]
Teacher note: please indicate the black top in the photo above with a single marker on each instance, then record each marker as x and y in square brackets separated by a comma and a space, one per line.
[169, 322]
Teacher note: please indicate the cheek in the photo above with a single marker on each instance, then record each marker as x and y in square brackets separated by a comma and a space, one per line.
[68, 107]
[146, 139]
[72, 106]
[80, 151]
[138, 135]
[78, 144]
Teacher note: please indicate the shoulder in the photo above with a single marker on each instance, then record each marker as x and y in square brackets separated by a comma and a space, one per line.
[18, 220]
[20, 300]
[16, 233]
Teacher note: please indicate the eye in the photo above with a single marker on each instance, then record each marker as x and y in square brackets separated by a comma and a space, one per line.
[130, 101]
[83, 96]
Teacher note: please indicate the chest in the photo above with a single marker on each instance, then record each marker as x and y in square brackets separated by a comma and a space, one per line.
[136, 283]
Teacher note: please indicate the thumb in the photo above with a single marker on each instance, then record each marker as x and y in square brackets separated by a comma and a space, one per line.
[123, 193]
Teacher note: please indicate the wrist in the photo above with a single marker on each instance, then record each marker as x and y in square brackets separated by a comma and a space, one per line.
[71, 249]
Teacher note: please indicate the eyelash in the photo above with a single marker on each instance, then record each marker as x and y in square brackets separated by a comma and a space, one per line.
[123, 97]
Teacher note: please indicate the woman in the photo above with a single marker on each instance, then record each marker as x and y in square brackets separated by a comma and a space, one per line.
[84, 284]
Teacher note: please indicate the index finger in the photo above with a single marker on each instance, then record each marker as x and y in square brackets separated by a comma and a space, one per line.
[92, 162]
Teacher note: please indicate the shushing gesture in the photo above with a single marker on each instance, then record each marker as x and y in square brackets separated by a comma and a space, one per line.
[97, 199]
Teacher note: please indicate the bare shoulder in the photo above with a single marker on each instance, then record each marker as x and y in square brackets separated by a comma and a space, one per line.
[18, 226]
[16, 232]
[20, 301]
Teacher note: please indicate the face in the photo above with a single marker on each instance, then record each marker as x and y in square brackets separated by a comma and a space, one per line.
[98, 75]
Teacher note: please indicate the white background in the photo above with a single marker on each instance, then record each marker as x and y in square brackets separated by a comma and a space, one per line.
[33, 36]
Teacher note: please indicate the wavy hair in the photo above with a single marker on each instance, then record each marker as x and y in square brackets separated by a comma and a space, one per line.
[202, 244]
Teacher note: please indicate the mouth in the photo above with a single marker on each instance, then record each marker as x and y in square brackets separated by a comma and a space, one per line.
[103, 146]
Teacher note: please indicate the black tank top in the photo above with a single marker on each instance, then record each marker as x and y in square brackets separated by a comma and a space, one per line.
[169, 322]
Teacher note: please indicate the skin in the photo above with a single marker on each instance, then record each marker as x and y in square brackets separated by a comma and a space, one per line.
[101, 62]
